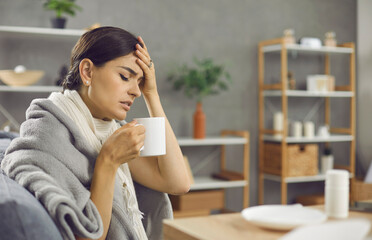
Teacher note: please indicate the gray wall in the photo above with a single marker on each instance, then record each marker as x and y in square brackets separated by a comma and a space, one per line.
[177, 31]
[364, 87]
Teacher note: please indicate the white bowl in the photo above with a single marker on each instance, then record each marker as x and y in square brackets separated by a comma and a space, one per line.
[29, 77]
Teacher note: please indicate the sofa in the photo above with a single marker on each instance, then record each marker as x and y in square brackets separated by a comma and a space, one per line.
[22, 216]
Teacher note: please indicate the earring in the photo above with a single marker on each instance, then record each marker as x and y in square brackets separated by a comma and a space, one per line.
[87, 82]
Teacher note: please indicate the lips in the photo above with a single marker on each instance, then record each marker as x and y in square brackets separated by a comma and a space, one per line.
[126, 105]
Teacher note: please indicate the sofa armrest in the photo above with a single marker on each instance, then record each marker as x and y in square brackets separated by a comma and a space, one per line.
[22, 215]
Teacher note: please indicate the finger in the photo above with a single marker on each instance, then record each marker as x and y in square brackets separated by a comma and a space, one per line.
[143, 43]
[139, 144]
[133, 156]
[128, 125]
[131, 124]
[144, 58]
[144, 66]
[142, 141]
[143, 51]
[140, 129]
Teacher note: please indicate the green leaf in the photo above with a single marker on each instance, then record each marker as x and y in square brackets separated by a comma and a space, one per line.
[205, 79]
[61, 7]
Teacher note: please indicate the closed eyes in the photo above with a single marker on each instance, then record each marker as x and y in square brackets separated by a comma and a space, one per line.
[123, 78]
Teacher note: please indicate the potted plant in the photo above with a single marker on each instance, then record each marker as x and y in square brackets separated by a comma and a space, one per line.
[61, 7]
[207, 78]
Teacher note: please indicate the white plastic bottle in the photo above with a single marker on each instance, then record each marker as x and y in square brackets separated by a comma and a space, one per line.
[326, 161]
[337, 193]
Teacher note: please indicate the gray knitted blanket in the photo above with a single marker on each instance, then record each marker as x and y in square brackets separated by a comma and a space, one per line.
[53, 161]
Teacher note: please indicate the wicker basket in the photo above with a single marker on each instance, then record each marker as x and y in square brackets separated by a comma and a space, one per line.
[198, 200]
[302, 160]
[361, 190]
[309, 200]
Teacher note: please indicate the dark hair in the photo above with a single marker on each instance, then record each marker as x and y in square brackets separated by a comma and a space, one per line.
[100, 45]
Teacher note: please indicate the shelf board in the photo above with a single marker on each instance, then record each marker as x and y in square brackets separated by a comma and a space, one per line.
[203, 183]
[33, 88]
[304, 93]
[183, 141]
[11, 31]
[315, 178]
[301, 48]
[315, 139]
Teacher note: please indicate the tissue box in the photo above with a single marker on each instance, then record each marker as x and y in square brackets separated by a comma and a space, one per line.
[320, 83]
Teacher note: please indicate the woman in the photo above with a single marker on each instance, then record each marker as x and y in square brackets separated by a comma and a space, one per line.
[78, 161]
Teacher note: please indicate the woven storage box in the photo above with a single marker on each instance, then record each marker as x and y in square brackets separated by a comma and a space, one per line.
[198, 200]
[302, 159]
[308, 200]
[362, 191]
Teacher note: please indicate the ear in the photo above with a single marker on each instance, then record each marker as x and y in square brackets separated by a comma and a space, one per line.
[86, 71]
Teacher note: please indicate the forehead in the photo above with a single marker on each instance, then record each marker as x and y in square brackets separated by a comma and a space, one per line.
[125, 62]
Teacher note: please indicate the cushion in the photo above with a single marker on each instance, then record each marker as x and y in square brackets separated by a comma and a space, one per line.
[4, 143]
[5, 139]
[10, 135]
[22, 216]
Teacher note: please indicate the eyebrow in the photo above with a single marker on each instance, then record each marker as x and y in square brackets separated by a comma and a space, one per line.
[129, 70]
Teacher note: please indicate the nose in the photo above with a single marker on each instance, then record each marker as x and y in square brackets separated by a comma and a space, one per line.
[135, 90]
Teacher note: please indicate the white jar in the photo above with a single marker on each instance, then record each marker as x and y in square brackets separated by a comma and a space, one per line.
[309, 129]
[337, 193]
[278, 124]
[297, 129]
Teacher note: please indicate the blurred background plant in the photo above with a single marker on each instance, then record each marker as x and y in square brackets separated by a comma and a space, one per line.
[61, 7]
[206, 78]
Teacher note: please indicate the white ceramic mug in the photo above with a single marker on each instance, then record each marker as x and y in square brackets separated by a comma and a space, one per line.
[154, 136]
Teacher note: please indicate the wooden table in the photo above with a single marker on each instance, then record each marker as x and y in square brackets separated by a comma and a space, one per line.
[227, 226]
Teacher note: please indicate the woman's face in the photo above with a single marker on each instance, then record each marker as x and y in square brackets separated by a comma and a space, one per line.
[114, 86]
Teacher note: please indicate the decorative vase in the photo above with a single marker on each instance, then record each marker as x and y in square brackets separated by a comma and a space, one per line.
[199, 121]
[58, 22]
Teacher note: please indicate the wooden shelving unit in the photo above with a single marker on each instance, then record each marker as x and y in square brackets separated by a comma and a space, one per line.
[315, 139]
[207, 192]
[25, 34]
[31, 89]
[38, 33]
[209, 141]
[208, 182]
[279, 90]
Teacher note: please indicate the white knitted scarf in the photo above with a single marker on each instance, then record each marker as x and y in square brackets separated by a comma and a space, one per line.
[96, 131]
